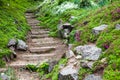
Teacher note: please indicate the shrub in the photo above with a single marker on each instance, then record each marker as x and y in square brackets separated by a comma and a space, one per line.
[85, 3]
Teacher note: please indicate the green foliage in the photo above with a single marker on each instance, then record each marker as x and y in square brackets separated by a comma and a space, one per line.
[54, 74]
[43, 70]
[83, 72]
[43, 67]
[12, 22]
[2, 63]
[11, 73]
[110, 74]
[31, 67]
[85, 20]
[85, 3]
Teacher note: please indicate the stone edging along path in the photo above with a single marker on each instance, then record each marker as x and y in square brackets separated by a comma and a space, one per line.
[41, 48]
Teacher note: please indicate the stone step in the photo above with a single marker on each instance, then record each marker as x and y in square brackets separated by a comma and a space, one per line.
[23, 74]
[3, 70]
[39, 32]
[34, 22]
[39, 36]
[31, 57]
[44, 44]
[23, 63]
[29, 14]
[42, 49]
[48, 39]
[37, 27]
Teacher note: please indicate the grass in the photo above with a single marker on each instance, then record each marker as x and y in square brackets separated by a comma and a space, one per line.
[12, 23]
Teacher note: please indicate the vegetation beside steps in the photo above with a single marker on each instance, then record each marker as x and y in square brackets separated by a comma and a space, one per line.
[43, 70]
[12, 23]
[88, 14]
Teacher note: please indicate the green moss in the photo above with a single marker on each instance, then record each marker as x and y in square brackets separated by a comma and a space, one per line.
[12, 22]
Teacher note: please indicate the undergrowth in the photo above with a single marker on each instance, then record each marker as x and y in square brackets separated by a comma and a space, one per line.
[12, 23]
[42, 69]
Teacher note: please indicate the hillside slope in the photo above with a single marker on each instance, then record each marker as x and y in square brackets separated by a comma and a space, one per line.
[85, 19]
[12, 23]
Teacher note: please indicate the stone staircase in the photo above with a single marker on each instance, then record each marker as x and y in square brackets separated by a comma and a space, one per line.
[41, 48]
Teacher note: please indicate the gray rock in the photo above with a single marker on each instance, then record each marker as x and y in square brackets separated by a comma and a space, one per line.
[104, 60]
[93, 77]
[7, 58]
[98, 29]
[69, 54]
[4, 76]
[117, 26]
[61, 66]
[67, 24]
[72, 17]
[68, 73]
[12, 48]
[89, 52]
[87, 64]
[12, 42]
[78, 57]
[66, 33]
[21, 45]
[13, 51]
[51, 65]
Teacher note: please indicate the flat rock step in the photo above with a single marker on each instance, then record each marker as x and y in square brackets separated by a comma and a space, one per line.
[40, 29]
[42, 49]
[33, 22]
[29, 14]
[3, 70]
[44, 44]
[44, 39]
[39, 36]
[39, 32]
[23, 74]
[37, 27]
[23, 63]
[32, 57]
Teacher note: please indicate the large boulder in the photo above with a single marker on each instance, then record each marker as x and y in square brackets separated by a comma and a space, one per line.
[89, 52]
[98, 29]
[93, 77]
[68, 73]
[117, 26]
[21, 45]
[12, 42]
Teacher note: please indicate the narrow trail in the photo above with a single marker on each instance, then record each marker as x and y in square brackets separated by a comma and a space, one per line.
[41, 48]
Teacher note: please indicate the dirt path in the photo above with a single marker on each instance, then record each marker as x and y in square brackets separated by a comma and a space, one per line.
[41, 48]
